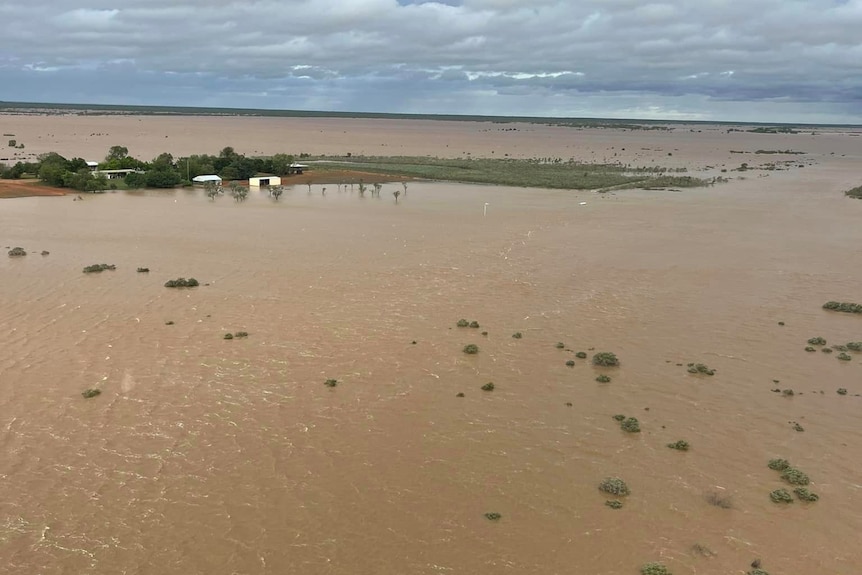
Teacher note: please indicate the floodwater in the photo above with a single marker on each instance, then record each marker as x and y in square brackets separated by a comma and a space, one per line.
[206, 456]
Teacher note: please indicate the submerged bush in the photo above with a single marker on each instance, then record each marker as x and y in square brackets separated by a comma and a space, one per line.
[241, 334]
[781, 496]
[654, 569]
[90, 393]
[795, 476]
[854, 345]
[517, 335]
[619, 417]
[570, 363]
[560, 345]
[581, 355]
[845, 307]
[330, 382]
[488, 386]
[17, 252]
[474, 324]
[614, 503]
[681, 445]
[719, 500]
[98, 268]
[181, 283]
[463, 323]
[471, 349]
[603, 379]
[804, 495]
[631, 425]
[809, 348]
[228, 336]
[614, 486]
[143, 270]
[606, 359]
[843, 356]
[700, 368]
[842, 391]
[493, 516]
[817, 341]
[778, 464]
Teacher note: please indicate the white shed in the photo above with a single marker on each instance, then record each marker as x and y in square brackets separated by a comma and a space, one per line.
[264, 180]
[207, 178]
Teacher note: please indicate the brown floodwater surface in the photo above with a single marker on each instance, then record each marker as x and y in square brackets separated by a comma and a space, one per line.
[205, 456]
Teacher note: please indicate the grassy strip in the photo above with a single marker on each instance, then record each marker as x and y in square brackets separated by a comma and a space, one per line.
[854, 193]
[518, 173]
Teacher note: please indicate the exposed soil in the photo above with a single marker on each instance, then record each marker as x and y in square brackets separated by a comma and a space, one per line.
[27, 188]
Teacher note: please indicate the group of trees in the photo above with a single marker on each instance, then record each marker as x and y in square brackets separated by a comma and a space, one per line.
[164, 171]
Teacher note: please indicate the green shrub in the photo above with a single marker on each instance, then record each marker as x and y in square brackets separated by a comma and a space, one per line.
[781, 496]
[843, 356]
[700, 368]
[471, 349]
[485, 333]
[854, 193]
[517, 335]
[826, 350]
[182, 283]
[330, 382]
[493, 516]
[474, 324]
[631, 425]
[839, 347]
[581, 355]
[169, 322]
[614, 503]
[570, 363]
[90, 393]
[757, 571]
[845, 307]
[463, 323]
[459, 395]
[614, 486]
[804, 495]
[143, 270]
[787, 392]
[817, 341]
[654, 569]
[842, 391]
[603, 379]
[605, 359]
[619, 417]
[795, 476]
[488, 386]
[854, 345]
[809, 348]
[778, 464]
[241, 334]
[97, 268]
[228, 336]
[681, 445]
[560, 345]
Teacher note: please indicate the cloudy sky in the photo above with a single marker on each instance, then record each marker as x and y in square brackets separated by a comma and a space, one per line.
[753, 60]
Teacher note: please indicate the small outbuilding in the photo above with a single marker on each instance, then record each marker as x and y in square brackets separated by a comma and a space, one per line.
[264, 180]
[207, 178]
[295, 168]
[92, 166]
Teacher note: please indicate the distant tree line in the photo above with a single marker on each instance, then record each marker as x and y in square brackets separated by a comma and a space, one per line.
[164, 171]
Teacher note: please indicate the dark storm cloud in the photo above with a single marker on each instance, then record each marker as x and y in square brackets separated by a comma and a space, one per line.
[763, 59]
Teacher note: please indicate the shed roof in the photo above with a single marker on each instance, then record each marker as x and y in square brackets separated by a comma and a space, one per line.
[207, 178]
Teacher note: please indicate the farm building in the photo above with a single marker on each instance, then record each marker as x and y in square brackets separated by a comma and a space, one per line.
[295, 168]
[93, 166]
[207, 178]
[264, 180]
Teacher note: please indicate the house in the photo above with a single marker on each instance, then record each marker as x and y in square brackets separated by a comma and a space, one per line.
[207, 178]
[264, 180]
[116, 174]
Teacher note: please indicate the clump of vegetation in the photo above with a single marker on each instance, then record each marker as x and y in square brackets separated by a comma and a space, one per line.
[570, 363]
[805, 495]
[603, 379]
[605, 359]
[560, 345]
[614, 486]
[488, 386]
[17, 252]
[797, 427]
[493, 516]
[517, 335]
[228, 336]
[143, 270]
[182, 283]
[854, 345]
[581, 355]
[45, 252]
[839, 347]
[854, 193]
[98, 268]
[169, 322]
[700, 368]
[719, 500]
[842, 391]
[471, 349]
[681, 445]
[614, 503]
[485, 333]
[845, 307]
[460, 394]
[809, 348]
[631, 425]
[474, 324]
[778, 464]
[654, 569]
[795, 476]
[781, 496]
[90, 393]
[619, 417]
[330, 382]
[463, 323]
[844, 356]
[757, 571]
[702, 550]
[817, 341]
[787, 392]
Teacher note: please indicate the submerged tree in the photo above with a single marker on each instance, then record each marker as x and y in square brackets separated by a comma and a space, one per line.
[276, 191]
[362, 189]
[404, 185]
[396, 193]
[376, 189]
[238, 191]
[211, 190]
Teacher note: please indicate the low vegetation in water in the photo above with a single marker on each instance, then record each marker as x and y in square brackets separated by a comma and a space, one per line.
[795, 476]
[90, 393]
[17, 252]
[570, 363]
[854, 193]
[228, 336]
[143, 270]
[854, 345]
[809, 348]
[603, 379]
[98, 268]
[493, 516]
[681, 445]
[182, 283]
[803, 494]
[560, 345]
[654, 569]
[606, 359]
[700, 368]
[463, 323]
[631, 425]
[471, 349]
[720, 500]
[614, 503]
[843, 356]
[842, 391]
[845, 307]
[330, 382]
[817, 341]
[581, 355]
[619, 417]
[778, 464]
[614, 486]
[488, 386]
[781, 496]
[517, 335]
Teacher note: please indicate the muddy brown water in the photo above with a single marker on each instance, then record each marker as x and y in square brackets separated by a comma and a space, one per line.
[206, 456]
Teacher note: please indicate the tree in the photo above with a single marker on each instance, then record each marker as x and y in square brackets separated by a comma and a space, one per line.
[211, 189]
[281, 164]
[396, 193]
[117, 153]
[276, 191]
[404, 185]
[362, 189]
[238, 191]
[376, 189]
